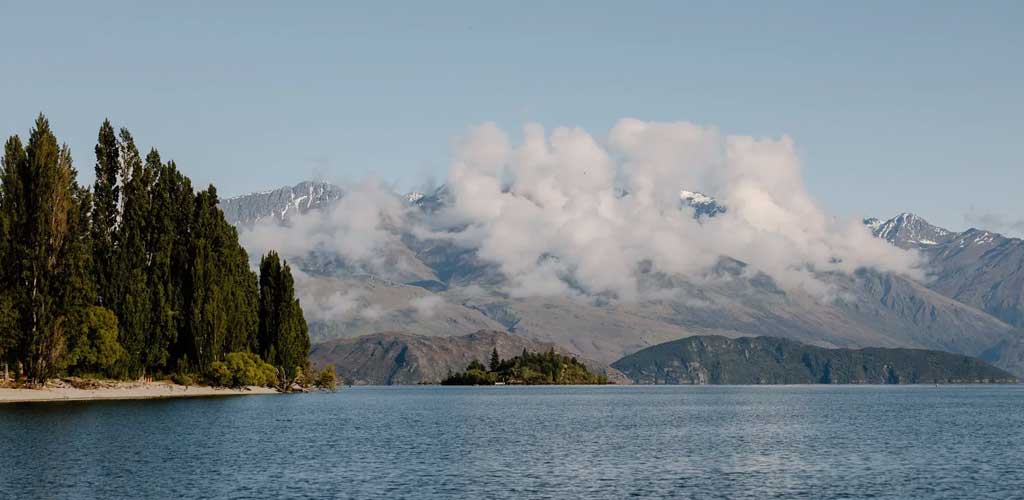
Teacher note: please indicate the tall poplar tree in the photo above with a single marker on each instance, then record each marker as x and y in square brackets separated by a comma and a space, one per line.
[131, 297]
[160, 248]
[46, 234]
[221, 287]
[141, 275]
[12, 251]
[283, 338]
[170, 275]
[105, 210]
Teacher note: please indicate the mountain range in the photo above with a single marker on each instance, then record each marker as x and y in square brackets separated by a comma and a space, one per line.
[969, 303]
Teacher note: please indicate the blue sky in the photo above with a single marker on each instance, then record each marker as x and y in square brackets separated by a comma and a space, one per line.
[894, 106]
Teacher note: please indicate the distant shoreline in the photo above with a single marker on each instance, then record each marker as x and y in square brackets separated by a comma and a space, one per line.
[155, 390]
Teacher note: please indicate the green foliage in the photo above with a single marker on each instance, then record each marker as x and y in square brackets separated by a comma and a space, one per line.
[43, 242]
[221, 291]
[169, 220]
[283, 337]
[527, 368]
[129, 287]
[495, 359]
[182, 379]
[8, 330]
[141, 270]
[472, 376]
[95, 349]
[241, 369]
[326, 379]
[106, 200]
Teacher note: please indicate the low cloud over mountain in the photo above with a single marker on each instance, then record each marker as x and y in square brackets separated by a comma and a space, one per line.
[652, 232]
[567, 214]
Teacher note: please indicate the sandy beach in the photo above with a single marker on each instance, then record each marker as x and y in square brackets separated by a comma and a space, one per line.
[127, 390]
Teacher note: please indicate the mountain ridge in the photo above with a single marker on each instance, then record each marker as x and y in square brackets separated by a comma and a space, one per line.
[871, 309]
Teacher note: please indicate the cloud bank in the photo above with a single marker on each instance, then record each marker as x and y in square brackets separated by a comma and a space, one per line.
[565, 213]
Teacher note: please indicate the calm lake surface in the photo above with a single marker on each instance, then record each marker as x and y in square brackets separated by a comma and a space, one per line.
[526, 442]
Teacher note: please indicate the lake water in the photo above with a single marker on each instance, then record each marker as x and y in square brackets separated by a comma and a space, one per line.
[526, 442]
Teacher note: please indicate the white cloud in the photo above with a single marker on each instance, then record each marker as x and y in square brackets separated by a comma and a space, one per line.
[357, 227]
[566, 214]
[547, 210]
[426, 306]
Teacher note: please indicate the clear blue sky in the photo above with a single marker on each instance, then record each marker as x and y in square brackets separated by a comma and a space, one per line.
[895, 106]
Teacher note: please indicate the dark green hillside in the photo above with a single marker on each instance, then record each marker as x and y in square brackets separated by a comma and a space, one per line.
[771, 360]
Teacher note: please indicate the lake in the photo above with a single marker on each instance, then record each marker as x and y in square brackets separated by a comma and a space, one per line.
[527, 442]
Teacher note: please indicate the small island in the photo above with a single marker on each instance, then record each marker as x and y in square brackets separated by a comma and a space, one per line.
[529, 368]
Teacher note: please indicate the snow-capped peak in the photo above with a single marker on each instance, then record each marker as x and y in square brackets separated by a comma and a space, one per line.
[907, 230]
[695, 198]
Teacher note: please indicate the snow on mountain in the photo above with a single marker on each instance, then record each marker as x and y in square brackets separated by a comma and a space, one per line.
[907, 230]
[702, 204]
[430, 202]
[280, 203]
[977, 267]
[974, 271]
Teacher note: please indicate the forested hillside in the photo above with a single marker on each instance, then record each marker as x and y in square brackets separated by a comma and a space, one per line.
[713, 359]
[139, 276]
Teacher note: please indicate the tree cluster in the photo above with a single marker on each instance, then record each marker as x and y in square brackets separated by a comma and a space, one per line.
[529, 368]
[139, 276]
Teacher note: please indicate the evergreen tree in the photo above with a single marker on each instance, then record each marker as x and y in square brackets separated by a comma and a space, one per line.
[221, 289]
[129, 285]
[12, 215]
[164, 244]
[205, 319]
[495, 360]
[105, 210]
[283, 338]
[46, 233]
[142, 275]
[170, 274]
[77, 288]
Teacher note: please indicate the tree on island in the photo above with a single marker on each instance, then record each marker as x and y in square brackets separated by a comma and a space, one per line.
[495, 360]
[529, 369]
[142, 275]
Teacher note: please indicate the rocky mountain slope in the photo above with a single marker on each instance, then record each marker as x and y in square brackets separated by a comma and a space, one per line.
[403, 358]
[770, 360]
[434, 286]
[975, 267]
[280, 203]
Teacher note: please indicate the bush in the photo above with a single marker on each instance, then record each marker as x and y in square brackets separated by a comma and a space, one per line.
[94, 349]
[326, 379]
[182, 379]
[471, 377]
[240, 369]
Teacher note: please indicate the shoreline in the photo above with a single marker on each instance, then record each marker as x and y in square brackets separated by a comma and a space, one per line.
[155, 390]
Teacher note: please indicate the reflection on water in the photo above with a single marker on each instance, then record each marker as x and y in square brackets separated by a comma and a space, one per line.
[526, 442]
